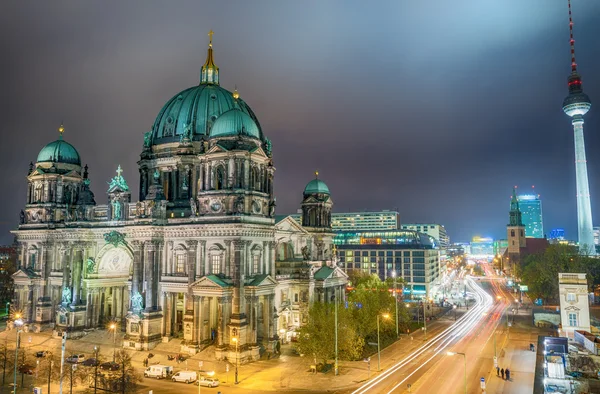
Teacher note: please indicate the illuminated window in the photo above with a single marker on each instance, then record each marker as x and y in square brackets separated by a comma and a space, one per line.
[215, 261]
[571, 297]
[180, 263]
[255, 263]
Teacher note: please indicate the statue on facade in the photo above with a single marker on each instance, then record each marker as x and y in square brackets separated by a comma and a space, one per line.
[272, 206]
[239, 204]
[194, 206]
[305, 253]
[137, 303]
[186, 136]
[147, 139]
[22, 217]
[90, 265]
[66, 295]
[268, 147]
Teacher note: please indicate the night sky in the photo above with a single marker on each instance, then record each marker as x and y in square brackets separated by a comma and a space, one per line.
[435, 108]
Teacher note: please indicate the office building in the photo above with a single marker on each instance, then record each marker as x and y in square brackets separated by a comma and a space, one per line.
[531, 215]
[482, 247]
[437, 231]
[362, 221]
[414, 256]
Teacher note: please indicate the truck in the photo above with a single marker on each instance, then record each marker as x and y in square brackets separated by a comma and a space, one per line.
[158, 371]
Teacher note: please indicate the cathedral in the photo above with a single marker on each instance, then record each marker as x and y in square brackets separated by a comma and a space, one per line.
[199, 257]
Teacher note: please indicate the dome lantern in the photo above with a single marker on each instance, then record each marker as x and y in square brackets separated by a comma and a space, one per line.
[210, 72]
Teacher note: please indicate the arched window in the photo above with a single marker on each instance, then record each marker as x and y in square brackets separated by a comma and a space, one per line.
[255, 182]
[215, 259]
[180, 263]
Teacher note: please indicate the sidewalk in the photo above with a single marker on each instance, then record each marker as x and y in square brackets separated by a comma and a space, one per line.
[515, 355]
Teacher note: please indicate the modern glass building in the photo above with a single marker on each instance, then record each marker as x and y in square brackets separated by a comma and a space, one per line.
[437, 231]
[530, 206]
[362, 221]
[412, 255]
[482, 247]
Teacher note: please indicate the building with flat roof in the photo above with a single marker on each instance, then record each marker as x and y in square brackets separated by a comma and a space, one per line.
[362, 221]
[531, 215]
[482, 247]
[437, 231]
[412, 255]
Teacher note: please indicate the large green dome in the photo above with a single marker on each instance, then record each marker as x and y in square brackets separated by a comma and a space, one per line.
[316, 186]
[59, 151]
[198, 108]
[233, 123]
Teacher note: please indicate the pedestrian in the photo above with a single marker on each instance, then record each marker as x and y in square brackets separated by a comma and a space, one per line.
[497, 371]
[502, 373]
[507, 374]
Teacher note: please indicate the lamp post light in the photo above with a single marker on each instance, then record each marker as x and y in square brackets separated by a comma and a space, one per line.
[424, 320]
[385, 316]
[113, 327]
[18, 323]
[235, 340]
[396, 301]
[465, 358]
[454, 307]
[335, 307]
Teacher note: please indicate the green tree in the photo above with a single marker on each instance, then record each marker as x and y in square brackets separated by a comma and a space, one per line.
[317, 338]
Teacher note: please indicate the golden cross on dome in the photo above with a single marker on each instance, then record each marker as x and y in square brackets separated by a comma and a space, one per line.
[210, 34]
[316, 174]
[119, 170]
[61, 129]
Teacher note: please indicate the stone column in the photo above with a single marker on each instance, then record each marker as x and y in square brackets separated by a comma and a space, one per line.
[137, 266]
[200, 260]
[191, 264]
[247, 173]
[272, 320]
[76, 279]
[271, 257]
[200, 323]
[222, 321]
[168, 312]
[231, 172]
[64, 256]
[264, 269]
[196, 320]
[149, 265]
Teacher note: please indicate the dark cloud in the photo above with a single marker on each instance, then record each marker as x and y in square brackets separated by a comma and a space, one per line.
[435, 108]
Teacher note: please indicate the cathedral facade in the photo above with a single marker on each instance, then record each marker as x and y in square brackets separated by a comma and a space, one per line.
[199, 256]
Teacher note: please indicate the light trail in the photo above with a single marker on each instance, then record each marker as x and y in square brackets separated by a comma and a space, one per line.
[442, 340]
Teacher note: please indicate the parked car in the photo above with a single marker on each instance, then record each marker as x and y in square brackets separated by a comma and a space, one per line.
[42, 353]
[76, 358]
[90, 362]
[208, 382]
[158, 371]
[185, 376]
[27, 369]
[110, 366]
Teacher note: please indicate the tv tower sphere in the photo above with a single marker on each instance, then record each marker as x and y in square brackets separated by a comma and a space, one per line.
[577, 102]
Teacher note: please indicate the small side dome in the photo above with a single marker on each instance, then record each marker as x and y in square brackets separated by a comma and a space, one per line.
[316, 186]
[59, 151]
[233, 123]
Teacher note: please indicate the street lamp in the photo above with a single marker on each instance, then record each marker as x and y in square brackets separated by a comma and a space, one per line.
[235, 340]
[385, 316]
[396, 301]
[18, 323]
[465, 358]
[335, 306]
[113, 327]
[424, 320]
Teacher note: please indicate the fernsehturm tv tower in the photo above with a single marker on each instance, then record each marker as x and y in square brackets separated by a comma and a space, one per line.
[577, 104]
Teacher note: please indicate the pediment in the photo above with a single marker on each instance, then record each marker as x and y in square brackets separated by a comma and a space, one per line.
[210, 281]
[259, 151]
[20, 274]
[263, 280]
[572, 308]
[289, 224]
[216, 149]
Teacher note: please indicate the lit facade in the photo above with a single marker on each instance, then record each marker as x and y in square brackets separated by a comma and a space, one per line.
[362, 221]
[531, 214]
[413, 256]
[198, 257]
[574, 303]
[482, 247]
[437, 231]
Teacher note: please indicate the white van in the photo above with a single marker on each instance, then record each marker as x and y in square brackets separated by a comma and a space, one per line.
[185, 376]
[158, 371]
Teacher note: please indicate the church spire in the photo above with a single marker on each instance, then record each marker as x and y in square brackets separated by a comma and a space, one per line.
[515, 212]
[210, 72]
